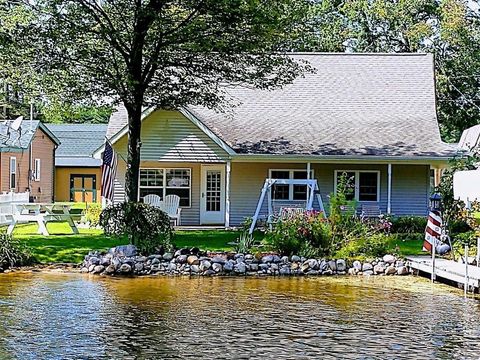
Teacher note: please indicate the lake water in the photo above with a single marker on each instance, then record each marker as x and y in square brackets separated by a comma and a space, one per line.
[71, 316]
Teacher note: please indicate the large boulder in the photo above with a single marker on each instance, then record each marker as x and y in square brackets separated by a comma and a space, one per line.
[125, 268]
[123, 251]
[367, 267]
[193, 260]
[341, 265]
[389, 259]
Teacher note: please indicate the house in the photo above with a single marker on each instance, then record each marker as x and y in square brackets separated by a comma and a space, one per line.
[372, 116]
[77, 174]
[27, 152]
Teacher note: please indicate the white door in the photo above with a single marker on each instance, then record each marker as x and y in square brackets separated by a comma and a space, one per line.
[212, 196]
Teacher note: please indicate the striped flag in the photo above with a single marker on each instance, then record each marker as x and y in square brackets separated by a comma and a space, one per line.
[433, 233]
[109, 171]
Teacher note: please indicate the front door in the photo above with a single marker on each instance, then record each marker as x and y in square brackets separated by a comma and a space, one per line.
[212, 195]
[83, 188]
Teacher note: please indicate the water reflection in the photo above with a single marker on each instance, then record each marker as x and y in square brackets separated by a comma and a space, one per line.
[76, 316]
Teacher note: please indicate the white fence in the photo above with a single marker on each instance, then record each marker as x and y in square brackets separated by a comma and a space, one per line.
[6, 204]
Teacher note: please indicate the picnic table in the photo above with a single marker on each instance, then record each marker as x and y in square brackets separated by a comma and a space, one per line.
[41, 213]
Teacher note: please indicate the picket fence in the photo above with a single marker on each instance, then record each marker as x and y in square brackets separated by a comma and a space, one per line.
[6, 204]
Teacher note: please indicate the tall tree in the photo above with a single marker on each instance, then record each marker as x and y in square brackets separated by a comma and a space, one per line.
[165, 53]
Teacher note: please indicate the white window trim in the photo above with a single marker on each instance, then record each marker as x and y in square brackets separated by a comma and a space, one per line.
[164, 186]
[290, 187]
[36, 169]
[12, 172]
[357, 183]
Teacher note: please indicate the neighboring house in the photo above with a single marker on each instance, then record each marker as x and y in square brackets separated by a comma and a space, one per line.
[370, 115]
[77, 174]
[27, 159]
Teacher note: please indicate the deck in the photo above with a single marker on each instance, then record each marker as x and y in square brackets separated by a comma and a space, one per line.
[447, 269]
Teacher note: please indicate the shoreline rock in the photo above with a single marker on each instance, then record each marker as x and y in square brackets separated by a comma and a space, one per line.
[193, 262]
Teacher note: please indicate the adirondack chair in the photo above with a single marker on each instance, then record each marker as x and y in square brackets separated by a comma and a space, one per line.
[153, 199]
[171, 205]
[370, 212]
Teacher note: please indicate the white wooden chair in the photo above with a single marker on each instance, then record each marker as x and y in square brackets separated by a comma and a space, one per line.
[171, 205]
[153, 199]
[370, 212]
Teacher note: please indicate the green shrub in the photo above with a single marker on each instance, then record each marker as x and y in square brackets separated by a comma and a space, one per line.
[244, 243]
[13, 252]
[371, 246]
[145, 226]
[458, 227]
[92, 214]
[408, 224]
[290, 234]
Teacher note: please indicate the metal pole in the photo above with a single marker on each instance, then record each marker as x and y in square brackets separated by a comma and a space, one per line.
[465, 288]
[433, 259]
[478, 252]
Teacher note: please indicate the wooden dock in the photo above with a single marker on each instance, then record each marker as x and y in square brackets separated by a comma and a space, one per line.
[447, 269]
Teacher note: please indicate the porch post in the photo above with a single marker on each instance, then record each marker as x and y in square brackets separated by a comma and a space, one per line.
[308, 178]
[227, 194]
[389, 193]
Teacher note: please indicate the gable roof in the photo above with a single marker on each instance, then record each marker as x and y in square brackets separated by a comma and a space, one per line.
[378, 105]
[78, 142]
[11, 140]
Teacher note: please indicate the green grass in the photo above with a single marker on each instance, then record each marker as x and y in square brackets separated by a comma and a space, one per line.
[406, 246]
[206, 240]
[63, 246]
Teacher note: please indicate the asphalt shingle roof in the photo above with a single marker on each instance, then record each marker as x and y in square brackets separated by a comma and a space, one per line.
[353, 104]
[11, 139]
[78, 142]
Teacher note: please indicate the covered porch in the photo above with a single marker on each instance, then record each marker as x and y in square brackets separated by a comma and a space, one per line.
[223, 194]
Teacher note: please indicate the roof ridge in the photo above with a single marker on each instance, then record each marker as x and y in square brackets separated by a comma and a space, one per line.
[358, 53]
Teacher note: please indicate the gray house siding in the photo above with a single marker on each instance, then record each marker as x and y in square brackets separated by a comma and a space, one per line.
[410, 189]
[170, 140]
[410, 186]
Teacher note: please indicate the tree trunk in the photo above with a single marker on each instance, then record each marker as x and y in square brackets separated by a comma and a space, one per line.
[133, 155]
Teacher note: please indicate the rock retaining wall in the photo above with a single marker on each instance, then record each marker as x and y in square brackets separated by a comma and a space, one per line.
[123, 260]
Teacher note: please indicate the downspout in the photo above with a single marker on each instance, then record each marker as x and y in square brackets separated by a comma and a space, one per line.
[54, 169]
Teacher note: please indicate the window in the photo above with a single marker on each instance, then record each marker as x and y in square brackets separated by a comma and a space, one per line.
[36, 170]
[359, 185]
[13, 173]
[289, 192]
[163, 182]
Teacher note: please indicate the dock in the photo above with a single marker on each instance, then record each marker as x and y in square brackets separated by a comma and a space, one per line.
[447, 269]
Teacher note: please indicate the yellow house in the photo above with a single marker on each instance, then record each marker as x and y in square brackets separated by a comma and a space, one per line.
[77, 174]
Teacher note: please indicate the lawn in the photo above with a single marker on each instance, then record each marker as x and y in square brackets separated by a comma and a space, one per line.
[63, 246]
[406, 247]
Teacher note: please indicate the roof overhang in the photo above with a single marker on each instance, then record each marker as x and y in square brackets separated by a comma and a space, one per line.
[425, 160]
[50, 134]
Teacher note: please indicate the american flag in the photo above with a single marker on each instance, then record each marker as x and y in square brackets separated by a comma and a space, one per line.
[109, 171]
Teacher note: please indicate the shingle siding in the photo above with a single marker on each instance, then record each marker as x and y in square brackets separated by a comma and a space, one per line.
[169, 136]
